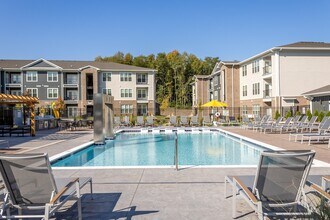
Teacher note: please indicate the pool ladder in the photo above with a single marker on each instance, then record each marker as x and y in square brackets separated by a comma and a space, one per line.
[176, 156]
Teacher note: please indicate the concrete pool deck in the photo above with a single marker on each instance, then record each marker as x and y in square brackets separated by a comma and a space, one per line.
[192, 193]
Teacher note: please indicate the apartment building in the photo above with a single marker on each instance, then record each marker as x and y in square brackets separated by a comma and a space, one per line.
[200, 85]
[275, 79]
[224, 86]
[133, 87]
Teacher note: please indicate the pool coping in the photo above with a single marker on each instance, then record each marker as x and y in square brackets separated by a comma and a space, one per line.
[316, 163]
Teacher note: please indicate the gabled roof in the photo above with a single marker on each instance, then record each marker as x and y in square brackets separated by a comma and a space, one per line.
[323, 90]
[322, 46]
[72, 65]
[308, 44]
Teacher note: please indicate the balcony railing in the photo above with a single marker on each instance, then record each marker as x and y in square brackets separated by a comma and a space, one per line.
[267, 93]
[71, 97]
[14, 81]
[89, 97]
[267, 70]
[141, 97]
[71, 81]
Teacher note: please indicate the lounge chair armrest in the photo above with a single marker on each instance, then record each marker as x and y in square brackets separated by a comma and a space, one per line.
[246, 190]
[318, 189]
[63, 190]
[326, 178]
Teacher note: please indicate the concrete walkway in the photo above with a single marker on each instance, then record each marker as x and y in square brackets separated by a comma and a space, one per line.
[154, 193]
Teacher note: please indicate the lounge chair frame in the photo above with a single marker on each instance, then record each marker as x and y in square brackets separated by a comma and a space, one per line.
[252, 196]
[58, 197]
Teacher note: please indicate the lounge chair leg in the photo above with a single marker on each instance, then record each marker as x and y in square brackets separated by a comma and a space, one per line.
[47, 209]
[78, 200]
[91, 186]
[234, 200]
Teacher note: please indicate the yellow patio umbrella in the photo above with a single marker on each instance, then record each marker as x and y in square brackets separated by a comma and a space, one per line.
[214, 103]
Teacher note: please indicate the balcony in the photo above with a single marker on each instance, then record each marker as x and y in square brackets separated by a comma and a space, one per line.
[267, 72]
[14, 82]
[70, 83]
[267, 95]
[71, 98]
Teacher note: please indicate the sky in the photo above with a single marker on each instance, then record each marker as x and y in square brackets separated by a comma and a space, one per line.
[230, 29]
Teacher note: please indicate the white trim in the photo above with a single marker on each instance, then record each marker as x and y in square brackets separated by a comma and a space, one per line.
[52, 76]
[88, 66]
[42, 60]
[52, 93]
[36, 90]
[106, 77]
[26, 75]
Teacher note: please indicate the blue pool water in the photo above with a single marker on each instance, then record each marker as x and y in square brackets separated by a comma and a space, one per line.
[129, 149]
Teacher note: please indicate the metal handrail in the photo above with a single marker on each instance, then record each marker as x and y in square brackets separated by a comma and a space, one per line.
[176, 156]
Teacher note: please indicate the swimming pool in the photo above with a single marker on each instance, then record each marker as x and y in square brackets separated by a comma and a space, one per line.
[150, 149]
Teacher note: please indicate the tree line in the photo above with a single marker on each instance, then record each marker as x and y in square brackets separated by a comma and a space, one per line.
[174, 75]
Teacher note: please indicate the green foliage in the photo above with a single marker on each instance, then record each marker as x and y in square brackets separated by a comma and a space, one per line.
[321, 116]
[277, 115]
[316, 113]
[328, 114]
[297, 113]
[165, 104]
[175, 72]
[309, 114]
[288, 114]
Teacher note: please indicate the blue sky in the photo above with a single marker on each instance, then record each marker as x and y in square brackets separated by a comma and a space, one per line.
[231, 29]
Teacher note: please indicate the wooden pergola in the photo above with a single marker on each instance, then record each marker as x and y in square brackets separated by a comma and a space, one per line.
[26, 100]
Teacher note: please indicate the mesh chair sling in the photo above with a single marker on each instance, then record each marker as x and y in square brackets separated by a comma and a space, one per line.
[277, 188]
[30, 185]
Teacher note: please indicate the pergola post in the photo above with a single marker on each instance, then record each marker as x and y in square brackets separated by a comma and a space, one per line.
[32, 120]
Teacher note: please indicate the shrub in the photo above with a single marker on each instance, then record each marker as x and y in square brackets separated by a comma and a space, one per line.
[309, 114]
[316, 113]
[328, 114]
[288, 114]
[297, 113]
[321, 116]
[277, 115]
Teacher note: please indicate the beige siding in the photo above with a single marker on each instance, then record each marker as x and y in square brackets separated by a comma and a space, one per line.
[302, 71]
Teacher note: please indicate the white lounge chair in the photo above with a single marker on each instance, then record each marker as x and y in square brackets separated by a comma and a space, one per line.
[207, 121]
[173, 121]
[150, 121]
[194, 121]
[139, 121]
[277, 188]
[184, 121]
[30, 185]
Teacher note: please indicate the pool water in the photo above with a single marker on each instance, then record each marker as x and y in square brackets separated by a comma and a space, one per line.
[135, 149]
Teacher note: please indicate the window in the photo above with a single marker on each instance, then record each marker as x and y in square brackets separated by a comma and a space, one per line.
[72, 111]
[255, 66]
[16, 92]
[142, 78]
[142, 93]
[52, 93]
[107, 91]
[31, 76]
[125, 76]
[126, 109]
[244, 110]
[52, 76]
[125, 93]
[32, 92]
[256, 109]
[244, 70]
[256, 88]
[71, 79]
[244, 90]
[106, 77]
[142, 109]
